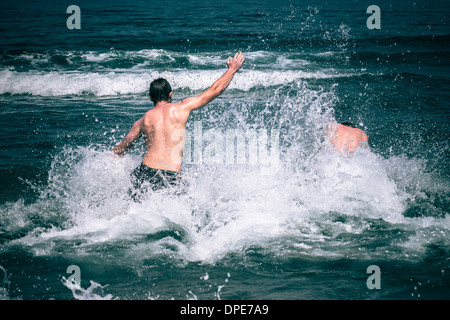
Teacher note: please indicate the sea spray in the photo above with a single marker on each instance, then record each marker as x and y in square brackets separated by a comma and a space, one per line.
[5, 285]
[80, 293]
[313, 199]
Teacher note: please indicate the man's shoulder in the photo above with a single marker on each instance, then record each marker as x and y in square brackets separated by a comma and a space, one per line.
[147, 114]
[180, 109]
[363, 136]
[173, 111]
[151, 112]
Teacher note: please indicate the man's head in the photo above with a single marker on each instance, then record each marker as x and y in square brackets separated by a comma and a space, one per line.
[160, 90]
[348, 124]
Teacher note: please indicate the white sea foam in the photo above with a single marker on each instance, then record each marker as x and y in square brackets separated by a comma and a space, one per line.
[117, 72]
[229, 209]
[113, 83]
[4, 284]
[91, 293]
[211, 59]
[315, 197]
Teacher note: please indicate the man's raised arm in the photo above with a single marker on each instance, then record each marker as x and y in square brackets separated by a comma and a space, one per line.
[218, 87]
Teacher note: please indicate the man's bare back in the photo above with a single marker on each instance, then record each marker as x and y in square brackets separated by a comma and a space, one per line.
[163, 127]
[163, 130]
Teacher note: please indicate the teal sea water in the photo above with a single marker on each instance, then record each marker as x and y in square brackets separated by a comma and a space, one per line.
[305, 224]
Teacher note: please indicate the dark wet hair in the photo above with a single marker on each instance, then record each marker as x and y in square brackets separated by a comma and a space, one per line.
[160, 90]
[348, 124]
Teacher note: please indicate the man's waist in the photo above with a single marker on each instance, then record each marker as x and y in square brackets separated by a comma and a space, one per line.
[158, 165]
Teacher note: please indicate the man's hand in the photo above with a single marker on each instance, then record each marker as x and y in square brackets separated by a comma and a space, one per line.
[235, 63]
[217, 88]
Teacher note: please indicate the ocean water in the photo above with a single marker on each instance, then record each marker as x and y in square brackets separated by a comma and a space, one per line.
[282, 218]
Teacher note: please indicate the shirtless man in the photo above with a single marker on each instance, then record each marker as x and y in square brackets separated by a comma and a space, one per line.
[164, 126]
[346, 138]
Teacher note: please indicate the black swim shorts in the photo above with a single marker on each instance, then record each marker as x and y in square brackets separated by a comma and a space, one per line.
[144, 177]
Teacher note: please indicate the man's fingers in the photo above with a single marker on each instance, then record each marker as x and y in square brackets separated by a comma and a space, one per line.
[241, 56]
